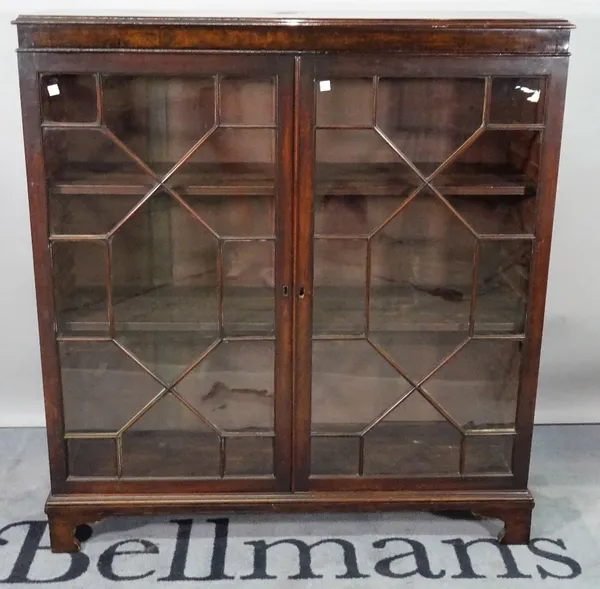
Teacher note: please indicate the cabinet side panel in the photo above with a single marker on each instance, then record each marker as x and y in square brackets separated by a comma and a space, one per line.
[36, 185]
[539, 274]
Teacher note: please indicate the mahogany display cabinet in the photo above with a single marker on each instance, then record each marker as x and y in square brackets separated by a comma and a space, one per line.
[290, 264]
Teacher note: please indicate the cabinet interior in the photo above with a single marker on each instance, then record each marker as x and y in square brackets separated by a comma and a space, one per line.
[163, 219]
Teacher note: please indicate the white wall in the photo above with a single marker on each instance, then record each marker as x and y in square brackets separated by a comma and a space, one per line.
[570, 365]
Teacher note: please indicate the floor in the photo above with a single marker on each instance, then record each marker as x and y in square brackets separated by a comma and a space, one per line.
[352, 551]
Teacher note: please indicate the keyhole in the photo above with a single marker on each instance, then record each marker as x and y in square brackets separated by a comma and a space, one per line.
[301, 292]
[285, 291]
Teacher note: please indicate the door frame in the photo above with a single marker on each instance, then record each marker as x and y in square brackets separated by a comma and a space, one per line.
[311, 68]
[31, 65]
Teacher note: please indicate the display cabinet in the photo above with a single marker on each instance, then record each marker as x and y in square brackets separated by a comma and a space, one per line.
[290, 265]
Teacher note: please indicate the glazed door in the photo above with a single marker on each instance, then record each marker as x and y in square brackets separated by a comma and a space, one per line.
[418, 185]
[169, 185]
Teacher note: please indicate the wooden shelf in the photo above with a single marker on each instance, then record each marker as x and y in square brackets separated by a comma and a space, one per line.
[337, 310]
[391, 179]
[191, 180]
[255, 180]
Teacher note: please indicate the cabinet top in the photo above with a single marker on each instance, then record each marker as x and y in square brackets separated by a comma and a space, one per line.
[456, 36]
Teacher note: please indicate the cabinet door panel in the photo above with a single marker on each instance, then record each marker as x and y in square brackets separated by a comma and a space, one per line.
[417, 223]
[169, 219]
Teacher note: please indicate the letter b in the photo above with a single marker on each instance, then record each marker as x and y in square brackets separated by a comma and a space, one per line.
[79, 562]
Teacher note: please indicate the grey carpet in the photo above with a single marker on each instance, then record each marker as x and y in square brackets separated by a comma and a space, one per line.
[359, 551]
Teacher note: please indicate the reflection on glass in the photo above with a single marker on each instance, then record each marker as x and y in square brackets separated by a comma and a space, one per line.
[518, 100]
[233, 386]
[102, 387]
[68, 98]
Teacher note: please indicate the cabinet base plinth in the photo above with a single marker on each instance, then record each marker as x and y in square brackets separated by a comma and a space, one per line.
[67, 513]
[68, 531]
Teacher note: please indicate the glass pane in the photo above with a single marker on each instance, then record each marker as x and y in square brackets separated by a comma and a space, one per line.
[170, 441]
[233, 386]
[249, 456]
[102, 387]
[360, 182]
[176, 175]
[502, 288]
[488, 454]
[166, 353]
[345, 102]
[68, 98]
[493, 183]
[414, 439]
[249, 288]
[80, 288]
[229, 182]
[339, 302]
[92, 182]
[164, 286]
[334, 455]
[159, 119]
[478, 387]
[235, 216]
[428, 119]
[351, 385]
[87, 214]
[496, 214]
[416, 246]
[422, 269]
[518, 100]
[92, 457]
[247, 102]
[416, 352]
[234, 162]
